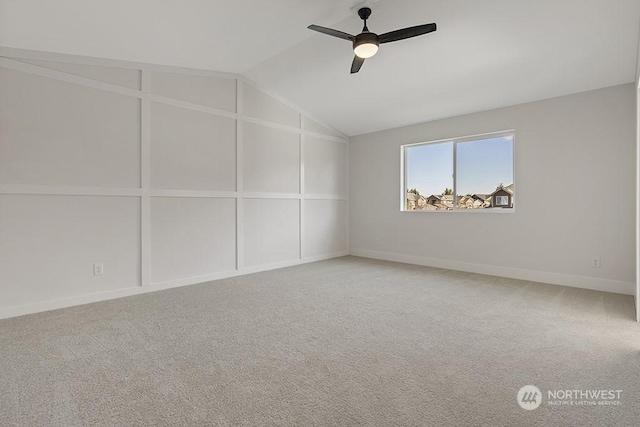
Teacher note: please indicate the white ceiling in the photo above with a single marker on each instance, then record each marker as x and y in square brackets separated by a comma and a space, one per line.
[221, 35]
[485, 54]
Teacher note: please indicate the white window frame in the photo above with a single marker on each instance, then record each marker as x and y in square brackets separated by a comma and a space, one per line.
[506, 198]
[455, 141]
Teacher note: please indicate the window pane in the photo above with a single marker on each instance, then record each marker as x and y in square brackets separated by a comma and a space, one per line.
[484, 170]
[429, 171]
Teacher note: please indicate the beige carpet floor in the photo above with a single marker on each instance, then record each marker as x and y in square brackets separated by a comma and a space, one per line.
[348, 341]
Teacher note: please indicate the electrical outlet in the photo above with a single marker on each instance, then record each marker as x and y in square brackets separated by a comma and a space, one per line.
[98, 269]
[595, 262]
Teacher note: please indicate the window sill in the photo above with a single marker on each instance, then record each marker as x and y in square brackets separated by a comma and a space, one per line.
[466, 211]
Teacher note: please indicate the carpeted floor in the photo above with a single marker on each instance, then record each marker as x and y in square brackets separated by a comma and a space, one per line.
[348, 341]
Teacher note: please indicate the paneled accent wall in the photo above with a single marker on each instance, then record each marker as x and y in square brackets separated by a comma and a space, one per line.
[165, 176]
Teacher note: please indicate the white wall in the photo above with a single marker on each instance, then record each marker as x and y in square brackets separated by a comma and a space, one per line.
[575, 189]
[637, 293]
[166, 176]
[637, 290]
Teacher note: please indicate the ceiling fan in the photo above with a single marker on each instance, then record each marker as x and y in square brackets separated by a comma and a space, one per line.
[365, 44]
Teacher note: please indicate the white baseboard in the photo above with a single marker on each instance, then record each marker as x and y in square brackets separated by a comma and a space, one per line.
[265, 267]
[323, 257]
[604, 285]
[193, 280]
[38, 307]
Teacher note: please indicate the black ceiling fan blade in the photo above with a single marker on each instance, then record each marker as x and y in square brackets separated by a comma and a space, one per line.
[356, 64]
[406, 33]
[332, 32]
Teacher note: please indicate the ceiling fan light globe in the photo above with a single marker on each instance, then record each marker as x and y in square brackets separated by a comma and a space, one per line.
[366, 50]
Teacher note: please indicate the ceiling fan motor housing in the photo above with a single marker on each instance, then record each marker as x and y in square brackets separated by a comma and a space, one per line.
[366, 37]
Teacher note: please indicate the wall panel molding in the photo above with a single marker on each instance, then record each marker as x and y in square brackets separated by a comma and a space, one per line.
[145, 182]
[55, 190]
[304, 126]
[16, 65]
[239, 177]
[29, 54]
[38, 307]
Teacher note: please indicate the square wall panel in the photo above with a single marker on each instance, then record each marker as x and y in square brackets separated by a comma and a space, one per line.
[271, 159]
[262, 106]
[216, 92]
[325, 227]
[191, 237]
[49, 245]
[271, 231]
[58, 133]
[325, 167]
[192, 150]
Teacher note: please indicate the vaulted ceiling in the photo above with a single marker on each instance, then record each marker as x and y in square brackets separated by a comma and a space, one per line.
[486, 54]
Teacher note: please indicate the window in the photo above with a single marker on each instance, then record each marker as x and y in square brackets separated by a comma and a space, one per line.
[478, 170]
[502, 200]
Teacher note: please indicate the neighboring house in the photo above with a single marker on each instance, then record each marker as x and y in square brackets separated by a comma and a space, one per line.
[502, 197]
[433, 199]
[411, 201]
[436, 202]
[481, 201]
[416, 202]
[447, 200]
[473, 201]
[421, 203]
[466, 202]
